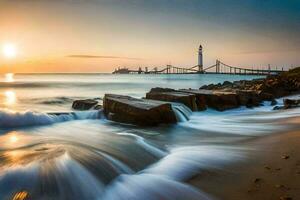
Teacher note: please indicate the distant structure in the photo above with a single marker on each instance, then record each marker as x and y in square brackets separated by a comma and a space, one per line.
[123, 70]
[200, 59]
[218, 68]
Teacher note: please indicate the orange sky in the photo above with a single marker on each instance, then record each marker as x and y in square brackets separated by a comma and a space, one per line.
[113, 34]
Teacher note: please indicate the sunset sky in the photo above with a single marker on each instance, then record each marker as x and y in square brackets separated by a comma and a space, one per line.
[100, 35]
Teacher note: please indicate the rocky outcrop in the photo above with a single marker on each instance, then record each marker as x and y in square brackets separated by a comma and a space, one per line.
[157, 109]
[85, 104]
[271, 87]
[142, 112]
[169, 95]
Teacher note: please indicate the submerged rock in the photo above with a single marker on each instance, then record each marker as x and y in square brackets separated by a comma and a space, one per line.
[85, 104]
[98, 107]
[291, 103]
[288, 103]
[187, 99]
[273, 102]
[126, 109]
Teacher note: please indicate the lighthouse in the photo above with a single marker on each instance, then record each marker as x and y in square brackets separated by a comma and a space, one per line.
[200, 59]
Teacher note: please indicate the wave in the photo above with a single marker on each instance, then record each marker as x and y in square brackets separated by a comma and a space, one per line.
[51, 100]
[166, 178]
[10, 119]
[150, 187]
[182, 112]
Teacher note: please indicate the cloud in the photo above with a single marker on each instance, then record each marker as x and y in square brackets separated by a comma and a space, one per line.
[282, 50]
[85, 56]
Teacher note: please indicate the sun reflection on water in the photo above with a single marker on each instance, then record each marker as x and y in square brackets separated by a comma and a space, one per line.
[9, 77]
[10, 97]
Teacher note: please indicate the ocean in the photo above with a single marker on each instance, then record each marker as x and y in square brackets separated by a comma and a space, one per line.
[84, 156]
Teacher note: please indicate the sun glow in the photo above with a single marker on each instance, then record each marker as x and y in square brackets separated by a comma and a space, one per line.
[13, 138]
[9, 50]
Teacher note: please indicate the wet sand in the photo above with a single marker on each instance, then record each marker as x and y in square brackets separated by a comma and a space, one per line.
[271, 170]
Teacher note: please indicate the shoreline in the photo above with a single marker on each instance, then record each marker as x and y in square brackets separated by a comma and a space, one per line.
[271, 171]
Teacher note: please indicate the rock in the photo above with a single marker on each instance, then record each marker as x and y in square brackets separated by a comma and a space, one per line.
[286, 198]
[248, 98]
[98, 107]
[208, 87]
[273, 102]
[219, 100]
[227, 84]
[158, 89]
[278, 107]
[60, 113]
[85, 104]
[200, 98]
[264, 96]
[267, 167]
[142, 112]
[257, 180]
[291, 103]
[188, 100]
[285, 157]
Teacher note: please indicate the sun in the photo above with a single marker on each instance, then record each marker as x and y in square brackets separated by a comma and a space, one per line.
[9, 50]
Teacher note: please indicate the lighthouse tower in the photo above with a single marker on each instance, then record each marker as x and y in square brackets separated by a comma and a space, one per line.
[200, 59]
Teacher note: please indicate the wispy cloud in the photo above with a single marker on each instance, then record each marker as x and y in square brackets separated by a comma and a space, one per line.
[282, 50]
[86, 56]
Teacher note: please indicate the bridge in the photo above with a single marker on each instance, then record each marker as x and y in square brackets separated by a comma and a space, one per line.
[218, 68]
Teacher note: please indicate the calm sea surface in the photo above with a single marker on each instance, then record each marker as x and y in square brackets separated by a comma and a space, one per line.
[55, 92]
[85, 156]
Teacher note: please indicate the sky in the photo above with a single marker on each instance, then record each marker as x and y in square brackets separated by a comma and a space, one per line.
[100, 35]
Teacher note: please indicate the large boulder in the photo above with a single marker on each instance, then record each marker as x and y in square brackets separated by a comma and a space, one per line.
[188, 100]
[219, 100]
[126, 109]
[85, 104]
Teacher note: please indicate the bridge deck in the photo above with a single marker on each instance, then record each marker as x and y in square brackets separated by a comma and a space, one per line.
[218, 68]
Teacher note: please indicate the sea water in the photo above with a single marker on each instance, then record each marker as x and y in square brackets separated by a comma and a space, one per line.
[82, 155]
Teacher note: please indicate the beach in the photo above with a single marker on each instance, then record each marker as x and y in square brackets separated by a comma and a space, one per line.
[271, 171]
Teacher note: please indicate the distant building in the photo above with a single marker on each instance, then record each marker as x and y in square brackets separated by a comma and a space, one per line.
[123, 70]
[200, 59]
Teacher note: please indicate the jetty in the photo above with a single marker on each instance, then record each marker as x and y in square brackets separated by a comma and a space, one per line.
[218, 68]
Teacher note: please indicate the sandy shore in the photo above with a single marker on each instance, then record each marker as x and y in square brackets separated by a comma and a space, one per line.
[271, 171]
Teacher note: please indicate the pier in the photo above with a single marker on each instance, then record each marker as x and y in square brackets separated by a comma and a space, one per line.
[218, 68]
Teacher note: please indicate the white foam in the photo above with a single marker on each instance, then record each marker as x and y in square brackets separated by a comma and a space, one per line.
[184, 162]
[151, 187]
[141, 141]
[182, 112]
[9, 119]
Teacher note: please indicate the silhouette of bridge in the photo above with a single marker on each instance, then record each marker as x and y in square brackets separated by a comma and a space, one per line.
[218, 68]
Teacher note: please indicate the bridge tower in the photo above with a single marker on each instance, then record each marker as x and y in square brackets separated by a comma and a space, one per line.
[200, 59]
